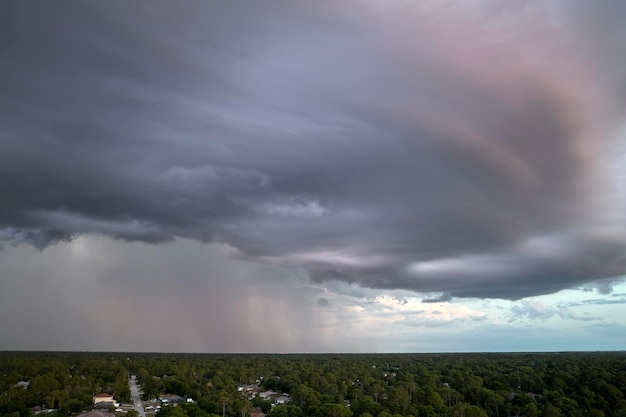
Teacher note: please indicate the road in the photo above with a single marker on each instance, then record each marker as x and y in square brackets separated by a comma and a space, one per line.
[134, 393]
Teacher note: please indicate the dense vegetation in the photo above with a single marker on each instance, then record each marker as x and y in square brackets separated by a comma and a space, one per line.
[62, 381]
[377, 385]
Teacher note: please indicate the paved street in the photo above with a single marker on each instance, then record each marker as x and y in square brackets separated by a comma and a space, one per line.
[134, 393]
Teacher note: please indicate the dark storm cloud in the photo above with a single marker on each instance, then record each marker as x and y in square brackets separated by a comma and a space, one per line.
[390, 147]
[600, 30]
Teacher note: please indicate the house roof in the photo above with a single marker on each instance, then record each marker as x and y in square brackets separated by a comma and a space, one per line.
[40, 408]
[96, 413]
[103, 395]
[104, 405]
[172, 398]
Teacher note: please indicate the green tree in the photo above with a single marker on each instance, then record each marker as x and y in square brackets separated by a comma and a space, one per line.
[531, 410]
[224, 401]
[264, 405]
[244, 406]
[366, 405]
[398, 400]
[171, 411]
[285, 410]
[305, 397]
[474, 411]
[335, 410]
[550, 410]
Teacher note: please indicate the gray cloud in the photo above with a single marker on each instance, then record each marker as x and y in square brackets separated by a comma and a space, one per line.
[613, 330]
[322, 302]
[443, 297]
[438, 324]
[97, 294]
[391, 148]
[533, 309]
[598, 301]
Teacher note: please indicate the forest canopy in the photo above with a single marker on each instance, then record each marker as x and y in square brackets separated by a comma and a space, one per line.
[319, 385]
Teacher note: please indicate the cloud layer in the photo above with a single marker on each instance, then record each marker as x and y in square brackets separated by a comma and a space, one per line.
[395, 147]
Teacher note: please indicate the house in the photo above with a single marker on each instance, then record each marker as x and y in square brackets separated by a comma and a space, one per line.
[102, 397]
[105, 405]
[267, 395]
[97, 413]
[282, 399]
[250, 389]
[22, 384]
[534, 396]
[171, 399]
[41, 409]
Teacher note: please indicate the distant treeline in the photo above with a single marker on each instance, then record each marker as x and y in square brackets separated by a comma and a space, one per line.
[572, 384]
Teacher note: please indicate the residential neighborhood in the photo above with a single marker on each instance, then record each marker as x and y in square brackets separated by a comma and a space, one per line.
[252, 391]
[377, 385]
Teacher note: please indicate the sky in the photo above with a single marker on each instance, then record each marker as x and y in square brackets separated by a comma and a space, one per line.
[284, 176]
